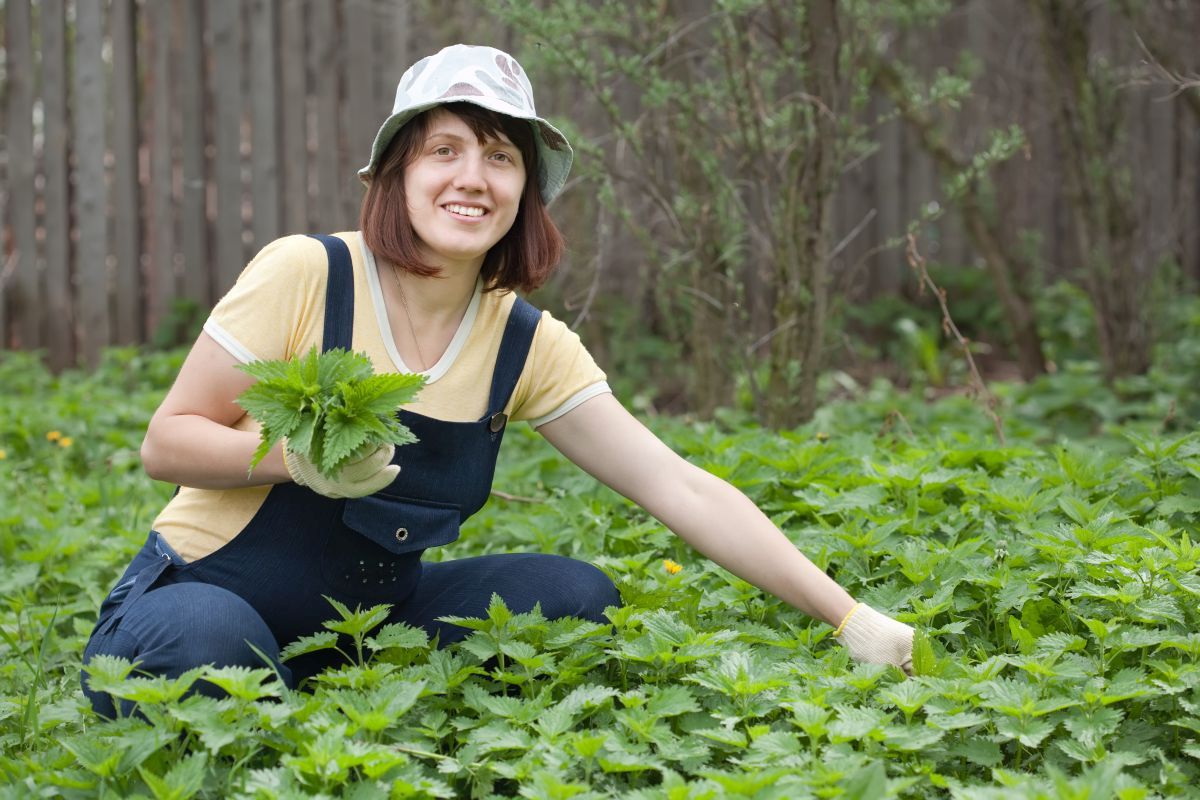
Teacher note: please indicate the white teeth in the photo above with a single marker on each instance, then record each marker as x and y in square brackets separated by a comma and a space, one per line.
[466, 211]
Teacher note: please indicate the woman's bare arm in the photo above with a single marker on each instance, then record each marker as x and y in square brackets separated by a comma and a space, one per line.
[708, 513]
[191, 440]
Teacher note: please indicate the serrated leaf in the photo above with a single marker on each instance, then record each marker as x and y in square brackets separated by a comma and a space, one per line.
[357, 622]
[867, 784]
[344, 434]
[324, 640]
[729, 736]
[497, 612]
[671, 701]
[1029, 732]
[327, 405]
[1179, 504]
[245, 683]
[181, 782]
[383, 394]
[399, 636]
[107, 673]
[924, 660]
[93, 755]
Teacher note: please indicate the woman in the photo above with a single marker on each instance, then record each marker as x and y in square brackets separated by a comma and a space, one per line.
[454, 216]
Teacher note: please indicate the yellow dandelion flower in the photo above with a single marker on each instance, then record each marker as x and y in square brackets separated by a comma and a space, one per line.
[66, 441]
[822, 437]
[3, 454]
[671, 567]
[53, 436]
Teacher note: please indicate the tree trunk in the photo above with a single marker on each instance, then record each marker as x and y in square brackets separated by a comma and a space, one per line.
[803, 231]
[1088, 121]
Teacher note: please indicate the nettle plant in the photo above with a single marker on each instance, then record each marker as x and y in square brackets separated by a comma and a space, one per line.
[328, 405]
[1054, 581]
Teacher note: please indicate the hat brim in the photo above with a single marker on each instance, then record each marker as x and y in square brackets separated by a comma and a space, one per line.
[554, 162]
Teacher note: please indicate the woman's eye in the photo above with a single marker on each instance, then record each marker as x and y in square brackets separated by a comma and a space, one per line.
[442, 151]
[502, 157]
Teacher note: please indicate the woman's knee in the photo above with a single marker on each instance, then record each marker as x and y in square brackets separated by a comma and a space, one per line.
[181, 626]
[185, 625]
[583, 590]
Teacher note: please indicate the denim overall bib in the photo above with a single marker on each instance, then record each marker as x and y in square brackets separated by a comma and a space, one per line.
[301, 545]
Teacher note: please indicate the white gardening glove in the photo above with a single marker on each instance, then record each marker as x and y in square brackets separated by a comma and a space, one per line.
[876, 638]
[360, 477]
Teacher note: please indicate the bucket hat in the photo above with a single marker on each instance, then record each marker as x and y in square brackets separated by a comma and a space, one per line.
[489, 78]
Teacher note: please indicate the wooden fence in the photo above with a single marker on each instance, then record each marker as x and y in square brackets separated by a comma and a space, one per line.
[140, 191]
[129, 186]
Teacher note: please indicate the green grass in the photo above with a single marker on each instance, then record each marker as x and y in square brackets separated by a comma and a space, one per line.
[1054, 581]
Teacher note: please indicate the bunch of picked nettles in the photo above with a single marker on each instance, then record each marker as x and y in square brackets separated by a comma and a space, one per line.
[329, 406]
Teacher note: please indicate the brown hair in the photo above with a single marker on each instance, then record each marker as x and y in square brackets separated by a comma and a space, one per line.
[523, 259]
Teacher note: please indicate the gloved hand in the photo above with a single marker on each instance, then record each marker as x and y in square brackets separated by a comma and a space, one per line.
[876, 638]
[366, 474]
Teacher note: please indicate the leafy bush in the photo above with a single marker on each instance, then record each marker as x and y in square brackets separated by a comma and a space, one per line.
[1054, 578]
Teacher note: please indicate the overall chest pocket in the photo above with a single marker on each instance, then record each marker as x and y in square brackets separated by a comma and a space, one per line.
[400, 525]
[376, 553]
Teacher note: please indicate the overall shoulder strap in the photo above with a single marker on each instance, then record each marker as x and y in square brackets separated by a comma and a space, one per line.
[339, 295]
[523, 320]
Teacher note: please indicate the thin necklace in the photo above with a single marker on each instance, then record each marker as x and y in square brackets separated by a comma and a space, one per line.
[408, 316]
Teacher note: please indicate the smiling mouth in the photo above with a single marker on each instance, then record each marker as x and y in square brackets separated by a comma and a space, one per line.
[466, 211]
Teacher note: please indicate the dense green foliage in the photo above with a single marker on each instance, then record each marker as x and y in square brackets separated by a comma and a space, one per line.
[1055, 578]
[327, 405]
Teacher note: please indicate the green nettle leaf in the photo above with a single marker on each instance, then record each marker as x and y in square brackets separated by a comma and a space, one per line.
[357, 622]
[108, 673]
[867, 784]
[183, 780]
[243, 682]
[93, 755]
[344, 434]
[328, 405]
[212, 720]
[380, 708]
[908, 697]
[1029, 732]
[925, 662]
[325, 640]
[158, 689]
[854, 724]
[399, 636]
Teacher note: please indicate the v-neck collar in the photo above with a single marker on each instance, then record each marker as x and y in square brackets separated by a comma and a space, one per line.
[443, 364]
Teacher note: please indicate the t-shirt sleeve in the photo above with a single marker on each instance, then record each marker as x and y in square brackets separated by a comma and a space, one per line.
[276, 307]
[559, 374]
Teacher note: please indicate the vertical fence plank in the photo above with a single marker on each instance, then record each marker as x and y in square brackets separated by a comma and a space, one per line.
[19, 276]
[55, 223]
[293, 116]
[323, 51]
[921, 184]
[128, 303]
[361, 112]
[1156, 127]
[91, 197]
[1187, 203]
[394, 53]
[197, 285]
[227, 120]
[264, 91]
[887, 273]
[160, 211]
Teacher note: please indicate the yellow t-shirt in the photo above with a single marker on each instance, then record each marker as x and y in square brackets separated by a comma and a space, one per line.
[277, 309]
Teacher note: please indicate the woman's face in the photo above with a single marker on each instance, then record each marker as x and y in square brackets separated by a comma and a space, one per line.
[462, 196]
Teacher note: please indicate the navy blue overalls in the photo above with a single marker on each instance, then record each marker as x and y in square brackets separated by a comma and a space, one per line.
[265, 586]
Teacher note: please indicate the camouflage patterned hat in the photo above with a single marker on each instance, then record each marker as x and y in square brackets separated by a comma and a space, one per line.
[486, 77]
